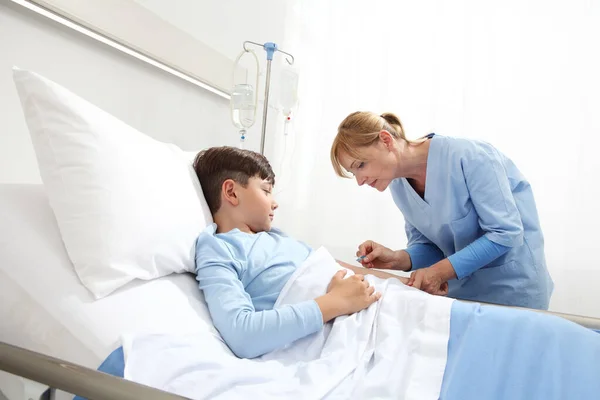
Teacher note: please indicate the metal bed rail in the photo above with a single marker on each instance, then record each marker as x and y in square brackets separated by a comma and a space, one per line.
[586, 322]
[73, 378]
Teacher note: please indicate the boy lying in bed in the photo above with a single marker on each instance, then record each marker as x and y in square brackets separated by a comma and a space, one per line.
[242, 263]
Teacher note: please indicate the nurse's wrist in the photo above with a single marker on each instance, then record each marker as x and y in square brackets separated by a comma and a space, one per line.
[444, 269]
[402, 261]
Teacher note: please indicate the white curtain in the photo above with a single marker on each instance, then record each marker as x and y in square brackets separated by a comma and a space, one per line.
[521, 74]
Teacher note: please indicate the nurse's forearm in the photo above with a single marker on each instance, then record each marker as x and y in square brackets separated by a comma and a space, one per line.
[476, 255]
[421, 255]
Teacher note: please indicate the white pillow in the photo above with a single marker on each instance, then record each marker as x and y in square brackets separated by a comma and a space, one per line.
[127, 206]
[45, 308]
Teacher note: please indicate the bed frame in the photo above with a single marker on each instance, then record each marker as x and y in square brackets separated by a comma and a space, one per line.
[95, 385]
[587, 322]
[73, 378]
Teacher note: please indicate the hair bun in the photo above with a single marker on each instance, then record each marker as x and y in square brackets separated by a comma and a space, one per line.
[391, 119]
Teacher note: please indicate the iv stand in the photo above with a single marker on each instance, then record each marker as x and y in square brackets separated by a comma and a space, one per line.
[270, 48]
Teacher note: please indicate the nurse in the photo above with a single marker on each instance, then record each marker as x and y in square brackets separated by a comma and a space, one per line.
[470, 216]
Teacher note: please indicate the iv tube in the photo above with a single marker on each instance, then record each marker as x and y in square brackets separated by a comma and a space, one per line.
[288, 95]
[288, 90]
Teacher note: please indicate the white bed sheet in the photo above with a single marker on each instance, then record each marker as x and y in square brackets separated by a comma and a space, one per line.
[44, 307]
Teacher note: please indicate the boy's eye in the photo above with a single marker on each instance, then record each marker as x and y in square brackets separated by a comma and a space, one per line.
[362, 164]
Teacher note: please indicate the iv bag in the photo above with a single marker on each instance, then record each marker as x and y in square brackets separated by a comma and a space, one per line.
[288, 90]
[242, 106]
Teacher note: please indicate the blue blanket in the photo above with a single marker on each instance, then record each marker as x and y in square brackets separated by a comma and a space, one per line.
[501, 353]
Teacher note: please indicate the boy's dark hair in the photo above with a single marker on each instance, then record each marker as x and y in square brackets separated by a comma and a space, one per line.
[215, 165]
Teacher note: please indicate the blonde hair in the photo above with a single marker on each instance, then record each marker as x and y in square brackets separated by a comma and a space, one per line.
[361, 129]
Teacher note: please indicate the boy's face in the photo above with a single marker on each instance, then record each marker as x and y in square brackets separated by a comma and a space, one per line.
[256, 204]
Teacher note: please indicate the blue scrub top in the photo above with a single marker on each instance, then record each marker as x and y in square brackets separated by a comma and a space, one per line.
[472, 190]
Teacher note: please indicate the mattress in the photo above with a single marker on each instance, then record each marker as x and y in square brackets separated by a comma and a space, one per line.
[45, 308]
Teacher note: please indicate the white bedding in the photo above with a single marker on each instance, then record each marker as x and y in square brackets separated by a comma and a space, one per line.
[45, 308]
[397, 348]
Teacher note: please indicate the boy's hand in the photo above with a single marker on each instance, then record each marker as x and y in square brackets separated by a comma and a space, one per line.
[346, 296]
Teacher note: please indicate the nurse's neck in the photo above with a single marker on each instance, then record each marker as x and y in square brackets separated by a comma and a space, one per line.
[414, 160]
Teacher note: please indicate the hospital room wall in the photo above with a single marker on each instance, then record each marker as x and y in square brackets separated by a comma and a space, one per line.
[158, 104]
[542, 119]
[519, 74]
[521, 88]
[235, 22]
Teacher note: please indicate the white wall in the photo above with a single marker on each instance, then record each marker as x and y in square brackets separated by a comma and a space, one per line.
[150, 100]
[158, 104]
[518, 74]
[150, 34]
[540, 72]
[225, 25]
[522, 74]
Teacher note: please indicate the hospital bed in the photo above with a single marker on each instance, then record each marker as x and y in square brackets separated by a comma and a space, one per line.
[44, 307]
[55, 333]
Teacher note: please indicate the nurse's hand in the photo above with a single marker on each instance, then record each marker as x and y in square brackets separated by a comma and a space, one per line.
[381, 257]
[429, 280]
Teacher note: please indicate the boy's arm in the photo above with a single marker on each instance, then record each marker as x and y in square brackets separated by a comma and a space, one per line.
[366, 271]
[247, 332]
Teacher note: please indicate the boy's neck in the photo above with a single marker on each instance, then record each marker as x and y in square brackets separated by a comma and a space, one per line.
[225, 223]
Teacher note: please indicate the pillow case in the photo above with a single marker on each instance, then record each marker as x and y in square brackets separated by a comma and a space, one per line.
[127, 206]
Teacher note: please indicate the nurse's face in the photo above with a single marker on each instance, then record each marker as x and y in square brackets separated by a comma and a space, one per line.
[377, 164]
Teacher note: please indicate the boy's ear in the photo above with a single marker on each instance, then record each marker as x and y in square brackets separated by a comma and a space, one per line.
[229, 192]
